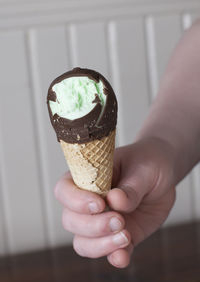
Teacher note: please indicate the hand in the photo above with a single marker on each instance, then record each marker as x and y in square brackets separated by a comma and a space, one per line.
[143, 175]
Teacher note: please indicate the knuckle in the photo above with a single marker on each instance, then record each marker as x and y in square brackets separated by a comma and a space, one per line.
[78, 205]
[101, 227]
[65, 220]
[77, 247]
[83, 248]
[133, 189]
[136, 198]
[67, 223]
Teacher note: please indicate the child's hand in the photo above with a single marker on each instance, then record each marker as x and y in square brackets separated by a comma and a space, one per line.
[144, 173]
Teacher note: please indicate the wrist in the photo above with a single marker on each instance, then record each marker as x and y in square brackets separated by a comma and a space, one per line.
[165, 154]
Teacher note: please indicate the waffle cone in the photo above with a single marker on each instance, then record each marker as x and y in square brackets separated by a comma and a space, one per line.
[91, 164]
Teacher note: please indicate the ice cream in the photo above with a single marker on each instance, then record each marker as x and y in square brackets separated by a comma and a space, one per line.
[75, 97]
[83, 111]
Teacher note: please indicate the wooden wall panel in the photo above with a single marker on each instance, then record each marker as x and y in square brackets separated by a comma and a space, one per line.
[21, 189]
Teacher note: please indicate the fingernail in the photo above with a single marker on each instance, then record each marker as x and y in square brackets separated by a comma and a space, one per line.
[115, 224]
[120, 239]
[93, 207]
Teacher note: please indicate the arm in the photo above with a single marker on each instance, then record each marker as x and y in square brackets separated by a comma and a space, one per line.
[175, 115]
[166, 149]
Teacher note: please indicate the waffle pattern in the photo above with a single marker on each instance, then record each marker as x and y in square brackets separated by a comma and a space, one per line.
[91, 164]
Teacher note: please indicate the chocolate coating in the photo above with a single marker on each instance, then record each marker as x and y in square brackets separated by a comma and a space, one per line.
[91, 126]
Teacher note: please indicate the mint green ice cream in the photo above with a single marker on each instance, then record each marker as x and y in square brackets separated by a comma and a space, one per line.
[75, 97]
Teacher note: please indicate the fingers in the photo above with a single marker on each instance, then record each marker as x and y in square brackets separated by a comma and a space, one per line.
[121, 257]
[134, 185]
[125, 199]
[92, 225]
[75, 199]
[98, 247]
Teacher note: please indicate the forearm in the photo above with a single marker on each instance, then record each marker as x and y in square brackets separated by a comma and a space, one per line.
[175, 115]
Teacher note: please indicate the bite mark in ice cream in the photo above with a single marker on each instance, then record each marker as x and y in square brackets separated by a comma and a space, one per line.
[76, 97]
[82, 106]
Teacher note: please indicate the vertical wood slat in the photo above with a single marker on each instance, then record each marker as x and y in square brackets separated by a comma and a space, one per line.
[22, 195]
[129, 69]
[48, 52]
[151, 56]
[3, 221]
[164, 43]
[160, 44]
[115, 74]
[89, 46]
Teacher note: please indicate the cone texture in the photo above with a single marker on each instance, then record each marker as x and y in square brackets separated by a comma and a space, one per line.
[91, 164]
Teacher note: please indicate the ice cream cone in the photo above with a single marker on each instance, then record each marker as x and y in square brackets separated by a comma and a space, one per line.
[91, 163]
[83, 111]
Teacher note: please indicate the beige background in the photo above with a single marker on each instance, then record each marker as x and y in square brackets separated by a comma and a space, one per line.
[129, 42]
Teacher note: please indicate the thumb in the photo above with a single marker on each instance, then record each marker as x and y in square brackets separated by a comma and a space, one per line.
[131, 189]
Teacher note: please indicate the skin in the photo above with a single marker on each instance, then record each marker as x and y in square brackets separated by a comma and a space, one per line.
[145, 172]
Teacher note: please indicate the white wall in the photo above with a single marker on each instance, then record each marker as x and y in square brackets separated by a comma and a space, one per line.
[129, 42]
